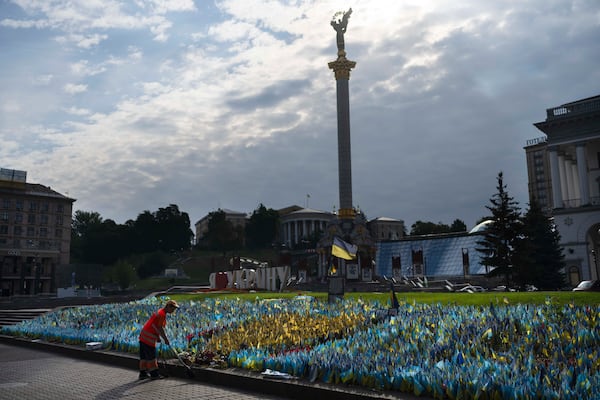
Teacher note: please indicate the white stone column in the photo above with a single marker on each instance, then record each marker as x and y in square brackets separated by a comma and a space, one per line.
[575, 175]
[557, 198]
[296, 233]
[563, 177]
[573, 195]
[584, 183]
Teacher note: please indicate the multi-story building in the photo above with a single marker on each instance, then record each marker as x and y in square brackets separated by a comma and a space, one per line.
[538, 171]
[35, 234]
[237, 219]
[564, 177]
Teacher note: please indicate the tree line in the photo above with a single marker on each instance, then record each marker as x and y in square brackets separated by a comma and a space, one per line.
[140, 247]
[524, 249]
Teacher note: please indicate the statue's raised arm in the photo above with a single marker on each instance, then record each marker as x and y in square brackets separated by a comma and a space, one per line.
[340, 27]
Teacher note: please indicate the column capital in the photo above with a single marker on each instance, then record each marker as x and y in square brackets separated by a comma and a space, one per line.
[346, 213]
[342, 66]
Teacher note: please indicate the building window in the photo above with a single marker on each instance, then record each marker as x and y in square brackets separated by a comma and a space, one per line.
[6, 203]
[59, 220]
[3, 229]
[44, 219]
[18, 218]
[30, 231]
[18, 230]
[31, 218]
[60, 208]
[19, 205]
[45, 207]
[17, 245]
[4, 216]
[58, 232]
[43, 232]
[33, 206]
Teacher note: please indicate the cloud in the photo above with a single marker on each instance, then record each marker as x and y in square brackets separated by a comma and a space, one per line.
[78, 111]
[78, 17]
[43, 80]
[232, 104]
[24, 24]
[10, 107]
[72, 88]
[82, 41]
[270, 96]
[83, 68]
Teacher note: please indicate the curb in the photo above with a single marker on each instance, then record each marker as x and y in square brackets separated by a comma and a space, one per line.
[231, 377]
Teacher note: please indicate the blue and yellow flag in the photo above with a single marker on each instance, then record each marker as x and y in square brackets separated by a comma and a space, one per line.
[343, 249]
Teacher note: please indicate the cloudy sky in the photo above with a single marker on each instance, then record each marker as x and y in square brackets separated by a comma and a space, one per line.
[133, 105]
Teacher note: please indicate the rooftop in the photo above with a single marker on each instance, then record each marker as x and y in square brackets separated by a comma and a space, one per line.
[582, 106]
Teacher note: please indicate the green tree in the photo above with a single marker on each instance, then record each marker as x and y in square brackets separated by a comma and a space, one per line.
[498, 244]
[167, 229]
[458, 226]
[81, 224]
[262, 227]
[428, 228]
[145, 235]
[104, 244]
[174, 230]
[123, 273]
[152, 264]
[99, 241]
[88, 275]
[539, 258]
[221, 234]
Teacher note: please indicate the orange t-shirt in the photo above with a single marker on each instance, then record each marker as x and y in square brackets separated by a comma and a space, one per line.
[150, 332]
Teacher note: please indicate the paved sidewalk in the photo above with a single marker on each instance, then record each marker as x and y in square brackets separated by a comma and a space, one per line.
[38, 370]
[39, 375]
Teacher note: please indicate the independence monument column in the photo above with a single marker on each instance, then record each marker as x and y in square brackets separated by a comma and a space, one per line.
[341, 67]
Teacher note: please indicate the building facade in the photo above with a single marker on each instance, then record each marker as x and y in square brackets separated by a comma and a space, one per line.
[384, 228]
[35, 235]
[440, 256]
[538, 172]
[564, 177]
[237, 219]
[303, 224]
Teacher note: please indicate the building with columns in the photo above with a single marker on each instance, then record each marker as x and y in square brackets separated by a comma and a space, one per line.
[564, 177]
[303, 224]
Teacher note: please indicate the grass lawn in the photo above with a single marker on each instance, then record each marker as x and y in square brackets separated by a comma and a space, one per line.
[482, 299]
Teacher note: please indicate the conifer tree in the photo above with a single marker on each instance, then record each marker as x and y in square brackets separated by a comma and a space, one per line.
[498, 243]
[539, 259]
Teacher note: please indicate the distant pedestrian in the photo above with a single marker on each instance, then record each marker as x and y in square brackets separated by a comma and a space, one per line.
[152, 332]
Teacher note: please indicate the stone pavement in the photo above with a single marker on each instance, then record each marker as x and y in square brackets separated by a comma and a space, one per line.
[37, 370]
[37, 375]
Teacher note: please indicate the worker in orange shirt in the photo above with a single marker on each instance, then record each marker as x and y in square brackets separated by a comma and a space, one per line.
[152, 332]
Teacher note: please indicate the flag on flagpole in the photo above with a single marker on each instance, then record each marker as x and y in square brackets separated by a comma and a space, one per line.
[343, 249]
